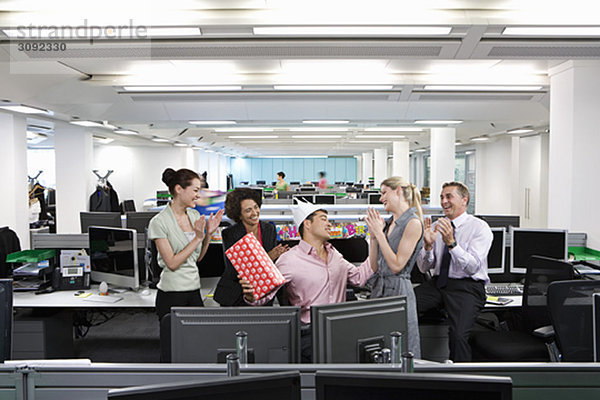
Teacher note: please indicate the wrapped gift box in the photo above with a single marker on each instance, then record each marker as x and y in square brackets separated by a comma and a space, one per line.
[252, 262]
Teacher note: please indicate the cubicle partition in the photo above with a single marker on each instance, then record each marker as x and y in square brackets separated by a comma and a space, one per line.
[92, 381]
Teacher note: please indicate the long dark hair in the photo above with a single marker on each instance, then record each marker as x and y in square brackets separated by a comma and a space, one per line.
[182, 177]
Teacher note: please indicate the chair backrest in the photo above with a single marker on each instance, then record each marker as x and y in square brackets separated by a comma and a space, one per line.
[570, 304]
[541, 271]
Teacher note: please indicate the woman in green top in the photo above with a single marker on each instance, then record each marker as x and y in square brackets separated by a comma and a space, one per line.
[182, 237]
[281, 184]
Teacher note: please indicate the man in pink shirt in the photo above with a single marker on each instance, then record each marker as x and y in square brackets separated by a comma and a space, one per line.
[315, 272]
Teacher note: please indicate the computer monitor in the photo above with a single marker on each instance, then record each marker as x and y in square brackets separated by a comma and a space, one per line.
[596, 325]
[207, 334]
[305, 197]
[212, 264]
[355, 249]
[261, 182]
[354, 385]
[99, 218]
[265, 386]
[310, 189]
[6, 318]
[501, 221]
[127, 206]
[344, 332]
[495, 258]
[528, 242]
[114, 256]
[282, 194]
[324, 198]
[294, 182]
[139, 220]
[374, 198]
[259, 191]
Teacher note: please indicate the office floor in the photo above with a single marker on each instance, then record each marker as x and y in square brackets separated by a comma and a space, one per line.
[127, 337]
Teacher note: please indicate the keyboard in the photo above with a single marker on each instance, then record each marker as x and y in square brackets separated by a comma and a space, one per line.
[504, 290]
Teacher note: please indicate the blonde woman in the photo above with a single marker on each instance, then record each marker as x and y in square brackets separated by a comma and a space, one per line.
[394, 247]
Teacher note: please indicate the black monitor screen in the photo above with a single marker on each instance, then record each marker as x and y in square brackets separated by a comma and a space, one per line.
[495, 258]
[550, 243]
[596, 326]
[139, 220]
[207, 335]
[375, 198]
[113, 256]
[6, 317]
[259, 191]
[261, 182]
[325, 199]
[267, 386]
[353, 385]
[97, 218]
[344, 332]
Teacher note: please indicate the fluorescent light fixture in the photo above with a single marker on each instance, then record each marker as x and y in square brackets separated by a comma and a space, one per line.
[179, 144]
[290, 157]
[101, 32]
[20, 108]
[109, 126]
[438, 122]
[159, 140]
[257, 129]
[393, 129]
[367, 142]
[480, 139]
[255, 137]
[325, 121]
[324, 129]
[469, 152]
[316, 136]
[484, 88]
[351, 30]
[517, 131]
[552, 30]
[458, 143]
[172, 31]
[209, 151]
[332, 87]
[87, 124]
[212, 122]
[420, 150]
[380, 137]
[103, 140]
[126, 131]
[204, 88]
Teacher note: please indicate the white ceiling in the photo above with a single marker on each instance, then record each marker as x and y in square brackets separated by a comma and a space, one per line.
[86, 79]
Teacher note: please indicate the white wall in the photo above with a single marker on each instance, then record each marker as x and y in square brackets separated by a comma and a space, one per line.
[493, 177]
[138, 170]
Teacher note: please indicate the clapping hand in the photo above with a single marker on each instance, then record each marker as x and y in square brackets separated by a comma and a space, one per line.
[428, 234]
[375, 223]
[199, 227]
[277, 251]
[214, 222]
[444, 227]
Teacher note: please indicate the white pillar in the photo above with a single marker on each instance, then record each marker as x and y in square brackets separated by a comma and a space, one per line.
[14, 201]
[359, 170]
[380, 172]
[442, 161]
[367, 167]
[400, 161]
[74, 177]
[573, 187]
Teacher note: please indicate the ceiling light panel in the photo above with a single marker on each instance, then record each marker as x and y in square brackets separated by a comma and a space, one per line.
[351, 30]
[380, 137]
[322, 129]
[246, 129]
[484, 88]
[207, 122]
[393, 129]
[23, 109]
[183, 88]
[551, 31]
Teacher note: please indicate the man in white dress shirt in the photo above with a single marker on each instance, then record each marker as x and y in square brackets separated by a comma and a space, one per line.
[456, 249]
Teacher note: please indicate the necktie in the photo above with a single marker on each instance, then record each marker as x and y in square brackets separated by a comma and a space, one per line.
[444, 266]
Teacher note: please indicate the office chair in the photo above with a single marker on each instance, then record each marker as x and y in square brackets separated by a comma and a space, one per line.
[523, 344]
[570, 305]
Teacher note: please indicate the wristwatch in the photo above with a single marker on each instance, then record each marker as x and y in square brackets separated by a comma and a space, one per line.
[452, 245]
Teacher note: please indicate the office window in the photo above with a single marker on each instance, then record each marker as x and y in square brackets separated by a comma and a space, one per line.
[464, 171]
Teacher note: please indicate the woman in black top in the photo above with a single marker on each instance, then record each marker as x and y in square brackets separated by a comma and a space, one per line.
[243, 206]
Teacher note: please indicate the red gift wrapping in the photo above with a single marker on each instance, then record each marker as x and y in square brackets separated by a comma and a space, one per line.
[252, 262]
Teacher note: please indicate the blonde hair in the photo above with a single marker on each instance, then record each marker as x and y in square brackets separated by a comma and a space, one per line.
[410, 192]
